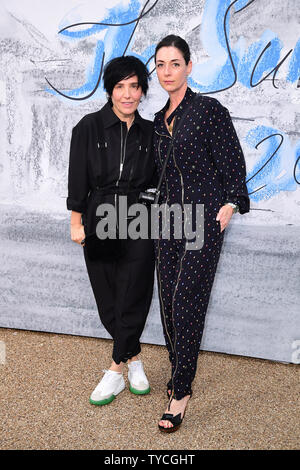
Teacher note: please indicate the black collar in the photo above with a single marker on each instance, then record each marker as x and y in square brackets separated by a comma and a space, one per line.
[109, 118]
[189, 94]
[159, 121]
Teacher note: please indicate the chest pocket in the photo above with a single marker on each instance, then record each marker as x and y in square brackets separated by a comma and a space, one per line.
[101, 145]
[138, 162]
[143, 151]
[102, 162]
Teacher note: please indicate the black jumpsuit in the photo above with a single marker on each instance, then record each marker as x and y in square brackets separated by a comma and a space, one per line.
[123, 288]
[206, 166]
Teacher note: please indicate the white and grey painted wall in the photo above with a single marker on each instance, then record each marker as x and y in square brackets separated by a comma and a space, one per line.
[246, 53]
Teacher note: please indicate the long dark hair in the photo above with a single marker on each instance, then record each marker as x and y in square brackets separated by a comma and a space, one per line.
[175, 41]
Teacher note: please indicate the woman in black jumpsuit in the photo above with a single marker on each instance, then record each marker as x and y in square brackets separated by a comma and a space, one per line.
[110, 156]
[206, 166]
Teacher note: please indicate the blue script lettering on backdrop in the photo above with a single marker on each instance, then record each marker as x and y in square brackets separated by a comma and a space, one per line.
[277, 168]
[275, 171]
[226, 64]
[115, 42]
[294, 65]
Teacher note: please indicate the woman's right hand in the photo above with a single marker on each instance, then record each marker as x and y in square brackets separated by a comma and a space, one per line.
[77, 233]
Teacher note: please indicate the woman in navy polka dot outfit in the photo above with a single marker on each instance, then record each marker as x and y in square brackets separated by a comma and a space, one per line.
[206, 166]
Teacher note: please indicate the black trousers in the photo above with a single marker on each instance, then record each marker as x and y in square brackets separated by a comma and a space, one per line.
[123, 293]
[185, 279]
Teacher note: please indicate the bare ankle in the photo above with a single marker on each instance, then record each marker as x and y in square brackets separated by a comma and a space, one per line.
[134, 358]
[117, 367]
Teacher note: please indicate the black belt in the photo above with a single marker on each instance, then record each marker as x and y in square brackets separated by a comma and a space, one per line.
[119, 191]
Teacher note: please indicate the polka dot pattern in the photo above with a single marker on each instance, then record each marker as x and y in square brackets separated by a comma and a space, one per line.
[206, 167]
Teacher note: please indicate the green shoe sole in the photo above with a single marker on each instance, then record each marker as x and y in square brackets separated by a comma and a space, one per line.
[139, 392]
[103, 402]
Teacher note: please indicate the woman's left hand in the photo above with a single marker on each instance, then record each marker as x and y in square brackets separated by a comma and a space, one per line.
[224, 216]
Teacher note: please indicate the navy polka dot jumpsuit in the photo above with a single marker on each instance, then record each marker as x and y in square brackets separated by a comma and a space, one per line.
[206, 166]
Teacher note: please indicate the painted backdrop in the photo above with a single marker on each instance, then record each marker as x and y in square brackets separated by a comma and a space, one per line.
[246, 53]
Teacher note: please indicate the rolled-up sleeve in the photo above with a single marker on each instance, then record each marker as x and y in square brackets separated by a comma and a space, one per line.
[228, 157]
[78, 180]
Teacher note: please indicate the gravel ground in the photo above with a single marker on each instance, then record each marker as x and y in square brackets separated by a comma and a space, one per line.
[46, 379]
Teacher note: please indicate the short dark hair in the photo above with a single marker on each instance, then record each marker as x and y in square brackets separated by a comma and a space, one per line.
[175, 41]
[124, 67]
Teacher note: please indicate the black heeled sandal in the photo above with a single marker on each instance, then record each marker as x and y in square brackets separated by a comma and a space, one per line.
[175, 420]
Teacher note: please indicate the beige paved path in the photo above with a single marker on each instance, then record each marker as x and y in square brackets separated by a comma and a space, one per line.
[238, 402]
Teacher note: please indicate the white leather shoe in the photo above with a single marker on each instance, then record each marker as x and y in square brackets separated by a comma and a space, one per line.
[111, 384]
[138, 382]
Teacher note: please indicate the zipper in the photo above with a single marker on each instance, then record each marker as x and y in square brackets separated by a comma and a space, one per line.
[165, 179]
[133, 164]
[173, 299]
[123, 153]
[161, 301]
[159, 280]
[166, 329]
[122, 160]
[180, 269]
[163, 135]
[159, 154]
